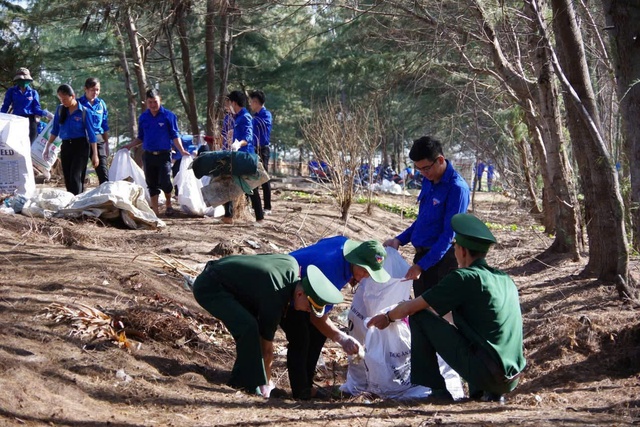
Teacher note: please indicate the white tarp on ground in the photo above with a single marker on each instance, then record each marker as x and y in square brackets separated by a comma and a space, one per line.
[114, 199]
[124, 168]
[16, 170]
[110, 200]
[386, 367]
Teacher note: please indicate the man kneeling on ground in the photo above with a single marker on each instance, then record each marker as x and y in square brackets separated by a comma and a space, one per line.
[485, 345]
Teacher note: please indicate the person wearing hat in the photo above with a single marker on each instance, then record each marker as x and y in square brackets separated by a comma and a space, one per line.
[485, 345]
[444, 193]
[25, 101]
[342, 261]
[250, 294]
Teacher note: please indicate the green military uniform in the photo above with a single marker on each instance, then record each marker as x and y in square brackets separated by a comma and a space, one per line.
[249, 294]
[485, 345]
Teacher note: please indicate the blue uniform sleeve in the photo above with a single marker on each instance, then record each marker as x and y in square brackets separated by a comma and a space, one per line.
[7, 101]
[37, 109]
[88, 125]
[457, 202]
[55, 129]
[173, 126]
[105, 117]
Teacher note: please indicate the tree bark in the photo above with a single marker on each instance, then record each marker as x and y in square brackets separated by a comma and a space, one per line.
[623, 21]
[131, 97]
[608, 253]
[210, 66]
[191, 108]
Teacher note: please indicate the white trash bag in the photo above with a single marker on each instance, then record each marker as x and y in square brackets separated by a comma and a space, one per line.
[16, 169]
[124, 168]
[386, 367]
[189, 194]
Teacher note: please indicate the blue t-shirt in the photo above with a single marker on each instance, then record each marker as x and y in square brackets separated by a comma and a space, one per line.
[327, 256]
[24, 104]
[438, 204]
[75, 126]
[262, 121]
[100, 116]
[243, 130]
[157, 132]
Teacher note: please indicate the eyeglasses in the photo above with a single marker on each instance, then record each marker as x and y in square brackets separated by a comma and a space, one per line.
[427, 168]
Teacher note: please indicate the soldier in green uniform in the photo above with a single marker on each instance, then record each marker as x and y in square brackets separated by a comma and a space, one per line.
[485, 345]
[250, 294]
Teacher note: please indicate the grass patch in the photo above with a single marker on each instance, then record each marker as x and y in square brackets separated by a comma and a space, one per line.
[410, 212]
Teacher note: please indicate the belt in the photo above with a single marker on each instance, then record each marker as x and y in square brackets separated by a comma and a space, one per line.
[75, 140]
[157, 153]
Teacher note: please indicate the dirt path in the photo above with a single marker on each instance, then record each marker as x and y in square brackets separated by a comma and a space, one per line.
[582, 345]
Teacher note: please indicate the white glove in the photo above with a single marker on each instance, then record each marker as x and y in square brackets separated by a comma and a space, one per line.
[236, 145]
[265, 390]
[49, 115]
[349, 344]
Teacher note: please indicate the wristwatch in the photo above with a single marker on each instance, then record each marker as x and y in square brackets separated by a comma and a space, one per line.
[388, 318]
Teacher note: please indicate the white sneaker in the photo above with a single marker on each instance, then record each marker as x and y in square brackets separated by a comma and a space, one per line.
[267, 212]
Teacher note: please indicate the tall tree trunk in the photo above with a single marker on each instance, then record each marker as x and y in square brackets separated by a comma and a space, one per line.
[191, 108]
[565, 202]
[226, 46]
[542, 117]
[608, 253]
[137, 55]
[623, 19]
[131, 97]
[210, 66]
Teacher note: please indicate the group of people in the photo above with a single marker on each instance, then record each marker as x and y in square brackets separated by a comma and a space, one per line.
[83, 126]
[479, 171]
[253, 295]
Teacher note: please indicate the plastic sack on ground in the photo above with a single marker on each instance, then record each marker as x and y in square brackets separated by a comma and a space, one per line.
[16, 169]
[189, 195]
[124, 168]
[37, 147]
[46, 202]
[386, 367]
[111, 200]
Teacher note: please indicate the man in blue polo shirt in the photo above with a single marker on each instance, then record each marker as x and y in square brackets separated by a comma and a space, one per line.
[342, 261]
[243, 140]
[25, 101]
[262, 122]
[444, 193]
[157, 129]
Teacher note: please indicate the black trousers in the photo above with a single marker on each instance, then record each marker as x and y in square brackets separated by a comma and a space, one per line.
[305, 343]
[74, 155]
[265, 154]
[157, 171]
[101, 169]
[429, 278]
[256, 204]
[33, 128]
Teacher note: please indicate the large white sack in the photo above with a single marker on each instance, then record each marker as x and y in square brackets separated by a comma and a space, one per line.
[189, 194]
[37, 148]
[124, 168]
[16, 169]
[386, 367]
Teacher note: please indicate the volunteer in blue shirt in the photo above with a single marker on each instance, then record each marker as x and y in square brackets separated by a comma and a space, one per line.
[243, 140]
[100, 119]
[262, 121]
[73, 123]
[444, 193]
[157, 129]
[25, 101]
[342, 261]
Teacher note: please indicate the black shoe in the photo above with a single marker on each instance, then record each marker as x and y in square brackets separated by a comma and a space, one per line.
[279, 393]
[493, 397]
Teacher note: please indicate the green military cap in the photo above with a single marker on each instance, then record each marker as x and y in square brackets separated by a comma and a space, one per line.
[319, 290]
[370, 255]
[471, 233]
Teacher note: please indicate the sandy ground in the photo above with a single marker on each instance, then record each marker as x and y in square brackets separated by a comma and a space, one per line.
[170, 366]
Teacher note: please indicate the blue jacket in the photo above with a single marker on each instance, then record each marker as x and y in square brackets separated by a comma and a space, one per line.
[157, 132]
[100, 116]
[24, 104]
[262, 122]
[77, 125]
[438, 204]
